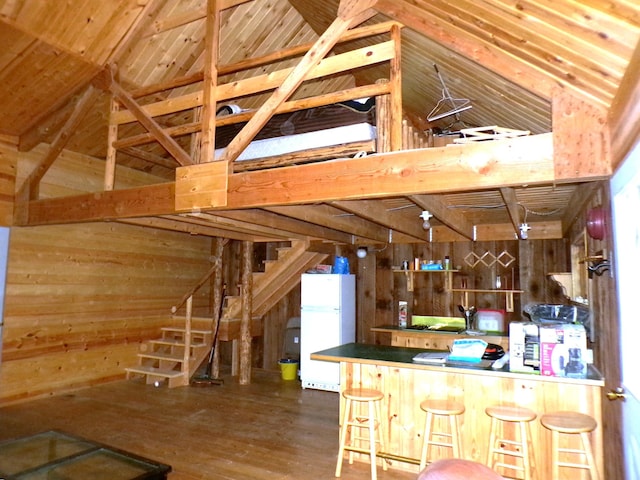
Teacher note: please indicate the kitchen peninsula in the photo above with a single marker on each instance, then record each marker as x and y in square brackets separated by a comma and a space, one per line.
[405, 384]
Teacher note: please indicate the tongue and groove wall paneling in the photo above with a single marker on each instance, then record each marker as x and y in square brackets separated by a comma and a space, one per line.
[81, 298]
[7, 183]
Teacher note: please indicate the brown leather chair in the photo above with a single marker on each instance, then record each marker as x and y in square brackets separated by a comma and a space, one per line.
[458, 469]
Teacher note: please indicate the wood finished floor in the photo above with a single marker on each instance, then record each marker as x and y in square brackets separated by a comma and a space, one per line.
[270, 429]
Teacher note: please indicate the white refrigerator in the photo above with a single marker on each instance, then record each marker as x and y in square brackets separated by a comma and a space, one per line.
[327, 319]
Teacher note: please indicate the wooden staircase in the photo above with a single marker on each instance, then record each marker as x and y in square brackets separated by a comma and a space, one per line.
[269, 287]
[165, 359]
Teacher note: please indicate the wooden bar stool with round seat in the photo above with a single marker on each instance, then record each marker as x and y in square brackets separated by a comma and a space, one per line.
[369, 420]
[570, 423]
[521, 448]
[450, 439]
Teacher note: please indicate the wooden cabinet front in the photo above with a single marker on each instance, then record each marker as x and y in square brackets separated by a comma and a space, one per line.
[403, 420]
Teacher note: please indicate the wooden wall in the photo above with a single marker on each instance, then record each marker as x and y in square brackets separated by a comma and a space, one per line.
[523, 266]
[603, 301]
[8, 162]
[81, 298]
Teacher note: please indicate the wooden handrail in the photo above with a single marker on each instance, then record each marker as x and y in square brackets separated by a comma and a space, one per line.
[205, 277]
[356, 33]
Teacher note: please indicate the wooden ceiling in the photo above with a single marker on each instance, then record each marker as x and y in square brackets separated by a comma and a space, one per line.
[508, 58]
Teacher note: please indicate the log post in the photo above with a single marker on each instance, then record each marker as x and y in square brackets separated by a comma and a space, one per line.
[247, 313]
[217, 300]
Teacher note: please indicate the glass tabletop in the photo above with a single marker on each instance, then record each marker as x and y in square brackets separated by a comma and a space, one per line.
[54, 454]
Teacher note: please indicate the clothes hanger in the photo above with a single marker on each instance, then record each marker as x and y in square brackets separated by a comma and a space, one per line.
[447, 105]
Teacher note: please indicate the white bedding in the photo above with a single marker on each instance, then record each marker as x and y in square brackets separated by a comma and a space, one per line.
[270, 147]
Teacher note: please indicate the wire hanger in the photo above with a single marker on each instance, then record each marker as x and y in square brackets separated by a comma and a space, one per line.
[447, 105]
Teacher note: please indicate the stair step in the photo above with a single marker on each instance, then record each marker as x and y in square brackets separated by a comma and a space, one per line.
[183, 330]
[161, 356]
[176, 343]
[157, 372]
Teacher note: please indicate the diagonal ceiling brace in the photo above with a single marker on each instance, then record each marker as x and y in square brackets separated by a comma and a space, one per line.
[29, 188]
[108, 83]
[350, 14]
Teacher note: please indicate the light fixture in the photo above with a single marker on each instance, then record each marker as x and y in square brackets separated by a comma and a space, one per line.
[361, 252]
[425, 216]
[524, 228]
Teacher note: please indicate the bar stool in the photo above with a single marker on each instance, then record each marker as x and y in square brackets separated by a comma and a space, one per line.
[369, 421]
[451, 439]
[570, 423]
[521, 447]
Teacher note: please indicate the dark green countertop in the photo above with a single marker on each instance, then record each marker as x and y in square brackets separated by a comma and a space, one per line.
[403, 357]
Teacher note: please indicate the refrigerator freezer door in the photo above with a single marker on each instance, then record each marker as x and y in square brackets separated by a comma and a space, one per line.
[322, 290]
[319, 330]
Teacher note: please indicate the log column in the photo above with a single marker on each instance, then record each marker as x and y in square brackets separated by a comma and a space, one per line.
[216, 287]
[247, 313]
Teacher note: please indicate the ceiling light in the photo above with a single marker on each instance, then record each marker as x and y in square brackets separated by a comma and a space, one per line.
[524, 228]
[362, 252]
[425, 216]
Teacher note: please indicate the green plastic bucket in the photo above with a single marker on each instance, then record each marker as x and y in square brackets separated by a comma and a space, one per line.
[288, 368]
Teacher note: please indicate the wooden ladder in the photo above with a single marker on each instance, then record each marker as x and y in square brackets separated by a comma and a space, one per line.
[174, 357]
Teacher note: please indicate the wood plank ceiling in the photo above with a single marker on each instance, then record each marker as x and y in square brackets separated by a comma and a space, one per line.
[507, 57]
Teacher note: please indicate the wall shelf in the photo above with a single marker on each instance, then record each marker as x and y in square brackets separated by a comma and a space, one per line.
[508, 295]
[448, 279]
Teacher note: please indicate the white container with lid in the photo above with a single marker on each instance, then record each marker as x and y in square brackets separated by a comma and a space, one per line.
[490, 320]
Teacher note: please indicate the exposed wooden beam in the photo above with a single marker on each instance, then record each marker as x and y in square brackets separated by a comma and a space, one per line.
[109, 205]
[286, 107]
[210, 84]
[336, 219]
[52, 122]
[107, 82]
[286, 224]
[29, 188]
[255, 62]
[191, 16]
[580, 141]
[451, 218]
[578, 203]
[375, 212]
[511, 202]
[150, 157]
[459, 40]
[345, 20]
[510, 162]
[348, 9]
[499, 231]
[334, 64]
[624, 115]
[228, 222]
[184, 225]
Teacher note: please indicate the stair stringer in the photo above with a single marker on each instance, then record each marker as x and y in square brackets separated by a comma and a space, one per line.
[269, 287]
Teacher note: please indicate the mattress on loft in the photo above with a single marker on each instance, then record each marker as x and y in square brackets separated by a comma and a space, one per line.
[270, 147]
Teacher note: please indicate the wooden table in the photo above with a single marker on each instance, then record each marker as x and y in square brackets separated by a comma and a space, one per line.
[57, 455]
[405, 384]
